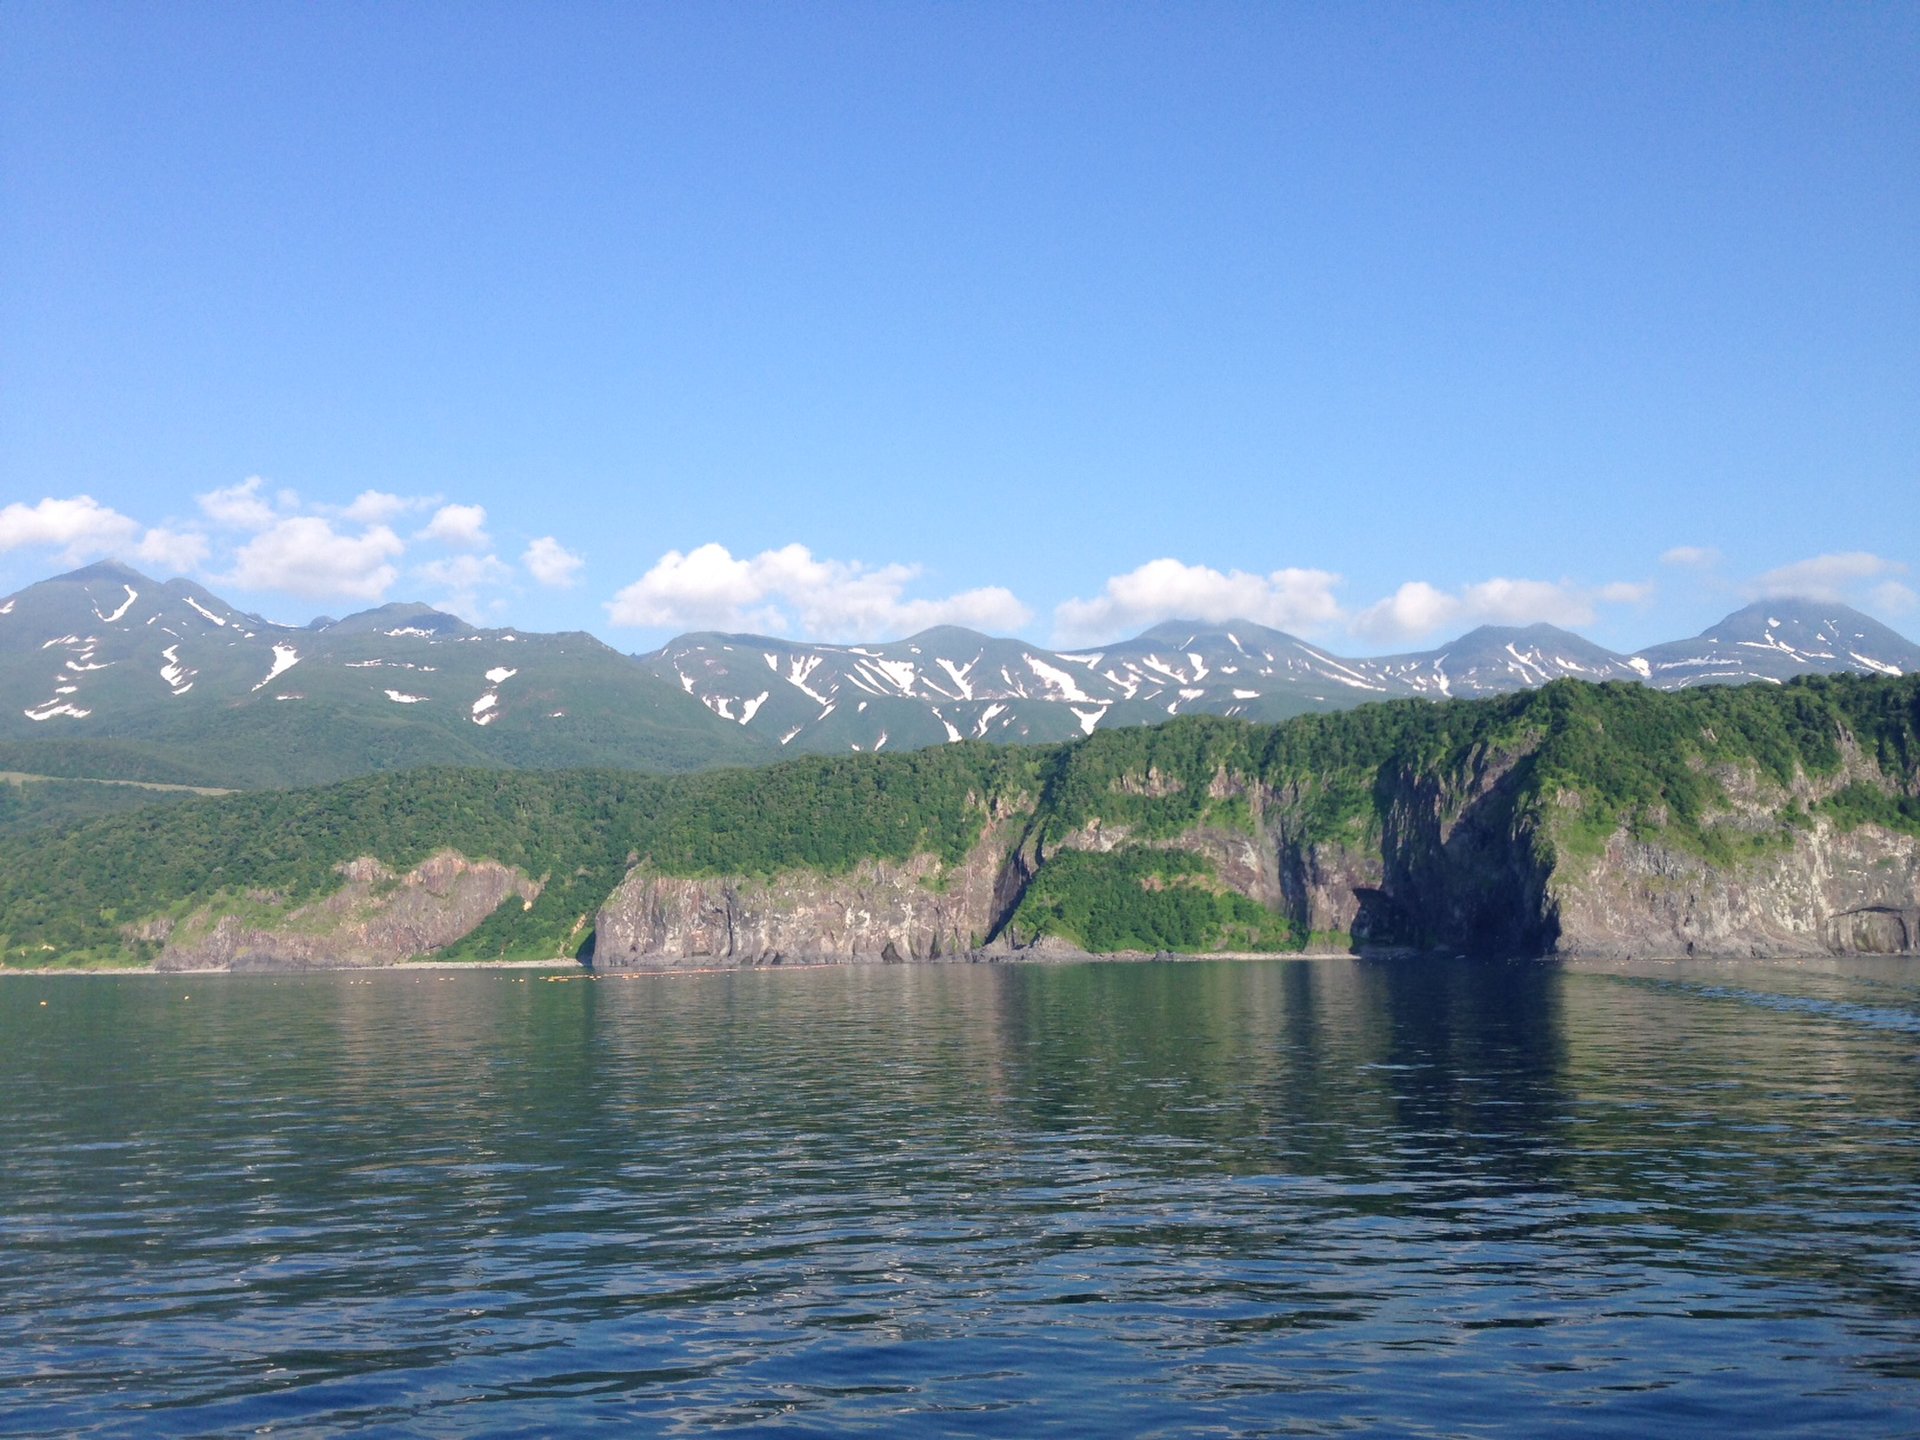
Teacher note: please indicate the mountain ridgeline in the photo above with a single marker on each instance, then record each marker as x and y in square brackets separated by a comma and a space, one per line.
[108, 675]
[1575, 818]
[111, 675]
[949, 684]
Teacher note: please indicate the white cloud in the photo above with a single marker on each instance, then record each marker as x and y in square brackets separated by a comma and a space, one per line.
[1894, 598]
[1834, 578]
[1692, 557]
[1626, 592]
[305, 556]
[175, 550]
[551, 563]
[1171, 590]
[462, 577]
[376, 507]
[79, 527]
[1417, 608]
[463, 525]
[1528, 602]
[241, 507]
[779, 590]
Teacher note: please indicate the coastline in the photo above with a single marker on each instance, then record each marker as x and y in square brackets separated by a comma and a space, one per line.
[404, 965]
[565, 968]
[972, 957]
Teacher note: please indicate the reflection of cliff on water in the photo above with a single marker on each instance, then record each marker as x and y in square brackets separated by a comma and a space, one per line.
[1478, 1053]
[1296, 1067]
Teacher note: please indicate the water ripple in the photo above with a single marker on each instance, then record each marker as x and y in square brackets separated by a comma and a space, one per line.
[1297, 1198]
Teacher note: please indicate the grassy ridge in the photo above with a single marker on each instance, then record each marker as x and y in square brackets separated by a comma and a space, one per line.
[1594, 758]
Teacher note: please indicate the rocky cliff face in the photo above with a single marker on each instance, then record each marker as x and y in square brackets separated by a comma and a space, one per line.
[1455, 865]
[1451, 869]
[1832, 892]
[1452, 866]
[884, 910]
[1467, 875]
[1826, 891]
[377, 917]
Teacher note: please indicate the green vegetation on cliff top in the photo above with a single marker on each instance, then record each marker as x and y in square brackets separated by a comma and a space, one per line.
[1143, 898]
[1581, 762]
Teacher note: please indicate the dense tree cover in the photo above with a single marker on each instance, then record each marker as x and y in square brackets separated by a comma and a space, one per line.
[1586, 760]
[109, 760]
[1859, 804]
[72, 890]
[1141, 898]
[40, 804]
[1662, 762]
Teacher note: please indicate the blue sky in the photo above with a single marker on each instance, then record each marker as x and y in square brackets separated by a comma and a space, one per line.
[1370, 322]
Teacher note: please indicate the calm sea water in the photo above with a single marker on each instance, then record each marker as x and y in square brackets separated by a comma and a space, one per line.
[1290, 1198]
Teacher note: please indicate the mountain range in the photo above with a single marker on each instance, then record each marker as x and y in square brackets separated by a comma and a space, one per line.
[106, 673]
[950, 684]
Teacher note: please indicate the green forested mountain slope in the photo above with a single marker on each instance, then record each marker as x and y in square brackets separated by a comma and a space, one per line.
[106, 673]
[109, 674]
[1581, 761]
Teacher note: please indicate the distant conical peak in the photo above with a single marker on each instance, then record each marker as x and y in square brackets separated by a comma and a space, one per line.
[944, 634]
[113, 570]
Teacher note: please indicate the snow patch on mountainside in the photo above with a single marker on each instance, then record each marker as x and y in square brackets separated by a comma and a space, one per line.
[179, 677]
[961, 675]
[285, 657]
[1089, 719]
[900, 674]
[125, 605]
[56, 706]
[800, 672]
[1058, 680]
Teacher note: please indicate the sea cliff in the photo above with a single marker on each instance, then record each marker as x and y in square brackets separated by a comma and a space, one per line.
[1576, 820]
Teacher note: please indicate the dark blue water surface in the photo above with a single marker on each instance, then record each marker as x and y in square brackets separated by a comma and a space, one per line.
[1287, 1198]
